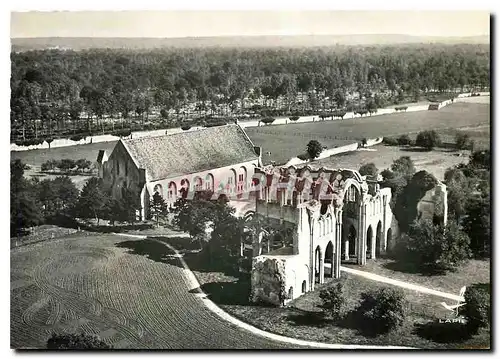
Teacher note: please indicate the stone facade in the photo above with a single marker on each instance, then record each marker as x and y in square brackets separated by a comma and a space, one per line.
[338, 216]
[219, 159]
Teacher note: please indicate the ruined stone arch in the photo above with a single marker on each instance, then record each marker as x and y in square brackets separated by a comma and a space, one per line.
[369, 242]
[318, 265]
[378, 239]
[329, 257]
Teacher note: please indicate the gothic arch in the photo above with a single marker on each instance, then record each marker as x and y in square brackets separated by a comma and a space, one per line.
[329, 257]
[369, 242]
[378, 239]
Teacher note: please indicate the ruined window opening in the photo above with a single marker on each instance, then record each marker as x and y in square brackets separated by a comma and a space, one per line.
[304, 286]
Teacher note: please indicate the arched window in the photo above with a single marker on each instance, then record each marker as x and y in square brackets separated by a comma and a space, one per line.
[304, 286]
[158, 189]
[198, 184]
[290, 293]
[172, 191]
[209, 182]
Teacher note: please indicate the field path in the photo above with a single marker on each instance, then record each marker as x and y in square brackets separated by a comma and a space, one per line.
[252, 332]
[132, 292]
[402, 284]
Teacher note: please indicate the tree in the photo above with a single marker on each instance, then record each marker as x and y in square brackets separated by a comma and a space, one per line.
[49, 140]
[193, 216]
[480, 160]
[428, 139]
[76, 342]
[403, 167]
[406, 202]
[369, 169]
[334, 301]
[434, 248]
[66, 164]
[93, 200]
[462, 141]
[24, 212]
[387, 174]
[267, 120]
[383, 310]
[477, 308]
[477, 224]
[404, 140]
[457, 186]
[314, 148]
[158, 207]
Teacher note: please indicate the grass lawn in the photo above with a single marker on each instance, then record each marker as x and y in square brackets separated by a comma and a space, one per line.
[435, 161]
[287, 141]
[475, 271]
[302, 318]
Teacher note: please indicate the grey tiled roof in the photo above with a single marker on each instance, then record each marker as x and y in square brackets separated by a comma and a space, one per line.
[191, 151]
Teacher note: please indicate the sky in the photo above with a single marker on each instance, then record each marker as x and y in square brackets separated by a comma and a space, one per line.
[176, 23]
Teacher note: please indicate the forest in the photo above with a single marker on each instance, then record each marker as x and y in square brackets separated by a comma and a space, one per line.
[65, 93]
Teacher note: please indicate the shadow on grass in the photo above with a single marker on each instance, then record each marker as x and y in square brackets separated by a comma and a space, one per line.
[151, 249]
[407, 266]
[414, 149]
[309, 319]
[227, 293]
[442, 332]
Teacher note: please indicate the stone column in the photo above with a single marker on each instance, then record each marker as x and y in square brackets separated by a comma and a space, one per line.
[361, 247]
[374, 243]
[321, 269]
[338, 245]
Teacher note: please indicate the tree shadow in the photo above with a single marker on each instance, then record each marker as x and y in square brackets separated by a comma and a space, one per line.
[410, 267]
[414, 149]
[355, 320]
[442, 332]
[227, 293]
[150, 249]
[306, 318]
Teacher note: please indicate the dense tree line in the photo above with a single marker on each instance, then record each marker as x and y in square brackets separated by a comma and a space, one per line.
[56, 92]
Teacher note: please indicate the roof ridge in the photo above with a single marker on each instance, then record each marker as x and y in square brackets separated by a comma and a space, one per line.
[183, 133]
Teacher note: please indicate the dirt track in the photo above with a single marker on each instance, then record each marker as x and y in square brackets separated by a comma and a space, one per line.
[98, 285]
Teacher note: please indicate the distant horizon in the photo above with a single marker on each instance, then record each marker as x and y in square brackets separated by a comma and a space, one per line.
[192, 24]
[261, 35]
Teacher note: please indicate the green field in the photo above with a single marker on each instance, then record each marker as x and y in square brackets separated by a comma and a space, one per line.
[287, 141]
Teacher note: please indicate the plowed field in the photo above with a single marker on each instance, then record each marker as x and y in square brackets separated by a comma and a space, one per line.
[95, 284]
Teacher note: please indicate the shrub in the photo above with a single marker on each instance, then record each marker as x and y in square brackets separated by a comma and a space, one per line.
[76, 137]
[404, 140]
[477, 308]
[389, 141]
[314, 148]
[122, 133]
[384, 309]
[462, 141]
[75, 342]
[267, 120]
[293, 118]
[185, 127]
[369, 169]
[303, 157]
[428, 139]
[334, 301]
